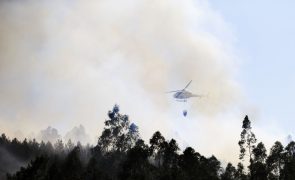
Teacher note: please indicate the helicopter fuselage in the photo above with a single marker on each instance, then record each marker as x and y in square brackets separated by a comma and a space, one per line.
[183, 95]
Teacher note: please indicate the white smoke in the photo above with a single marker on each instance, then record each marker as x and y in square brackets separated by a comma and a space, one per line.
[49, 134]
[64, 63]
[9, 163]
[77, 134]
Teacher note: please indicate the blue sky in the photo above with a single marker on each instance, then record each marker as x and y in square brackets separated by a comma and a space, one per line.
[265, 41]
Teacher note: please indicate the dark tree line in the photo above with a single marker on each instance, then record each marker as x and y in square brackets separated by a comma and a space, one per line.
[121, 154]
[278, 165]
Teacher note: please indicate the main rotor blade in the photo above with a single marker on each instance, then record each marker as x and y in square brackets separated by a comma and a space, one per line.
[187, 85]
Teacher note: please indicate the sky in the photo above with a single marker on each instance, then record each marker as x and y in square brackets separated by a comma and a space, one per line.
[265, 41]
[65, 64]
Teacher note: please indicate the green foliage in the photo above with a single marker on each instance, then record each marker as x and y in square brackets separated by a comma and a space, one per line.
[121, 154]
[189, 163]
[240, 173]
[136, 165]
[117, 134]
[158, 144]
[288, 171]
[258, 167]
[72, 165]
[259, 153]
[248, 139]
[230, 172]
[35, 170]
[275, 161]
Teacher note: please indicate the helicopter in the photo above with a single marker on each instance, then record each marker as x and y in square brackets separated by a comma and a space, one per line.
[183, 95]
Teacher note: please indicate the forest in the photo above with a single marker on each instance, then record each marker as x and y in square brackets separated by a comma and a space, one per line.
[120, 154]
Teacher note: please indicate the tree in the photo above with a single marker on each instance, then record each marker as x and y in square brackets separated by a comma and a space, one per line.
[93, 170]
[35, 170]
[121, 154]
[275, 161]
[240, 174]
[214, 167]
[289, 158]
[169, 166]
[59, 146]
[72, 167]
[209, 168]
[229, 173]
[248, 140]
[170, 154]
[258, 167]
[117, 134]
[3, 140]
[158, 144]
[259, 153]
[49, 148]
[70, 145]
[189, 163]
[136, 165]
[116, 139]
[133, 135]
[54, 169]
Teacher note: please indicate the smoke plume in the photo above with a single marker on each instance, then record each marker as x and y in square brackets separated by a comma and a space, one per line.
[77, 134]
[49, 134]
[64, 63]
